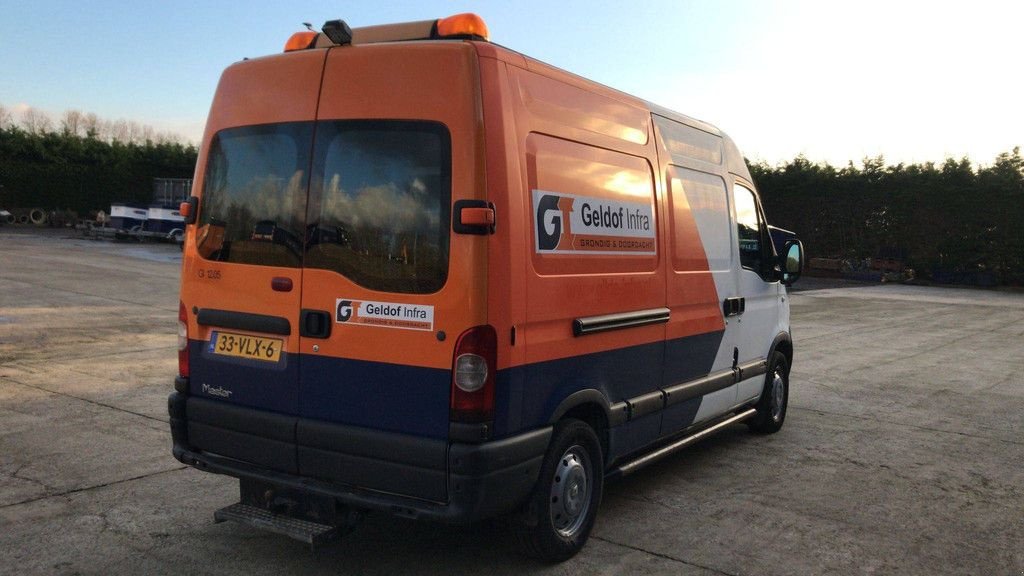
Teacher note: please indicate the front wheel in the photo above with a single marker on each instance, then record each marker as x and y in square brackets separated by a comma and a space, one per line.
[563, 507]
[771, 408]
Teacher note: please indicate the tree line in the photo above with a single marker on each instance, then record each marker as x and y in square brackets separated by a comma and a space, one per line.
[83, 163]
[948, 220]
[86, 124]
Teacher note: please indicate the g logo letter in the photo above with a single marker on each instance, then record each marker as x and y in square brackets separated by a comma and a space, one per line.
[344, 310]
[549, 223]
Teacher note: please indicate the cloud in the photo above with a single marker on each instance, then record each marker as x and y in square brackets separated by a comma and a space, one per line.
[383, 207]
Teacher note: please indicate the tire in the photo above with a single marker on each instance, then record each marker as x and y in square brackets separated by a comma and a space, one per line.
[771, 407]
[557, 519]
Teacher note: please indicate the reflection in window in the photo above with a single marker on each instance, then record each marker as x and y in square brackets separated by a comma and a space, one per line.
[748, 228]
[254, 195]
[379, 212]
[706, 198]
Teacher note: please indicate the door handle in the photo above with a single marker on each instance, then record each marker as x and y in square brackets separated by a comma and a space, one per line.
[734, 306]
[315, 324]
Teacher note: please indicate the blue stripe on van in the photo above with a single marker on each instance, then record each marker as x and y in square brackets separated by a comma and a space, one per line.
[527, 396]
[394, 397]
[415, 400]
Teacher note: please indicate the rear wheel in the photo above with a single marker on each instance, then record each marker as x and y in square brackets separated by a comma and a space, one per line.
[561, 512]
[771, 408]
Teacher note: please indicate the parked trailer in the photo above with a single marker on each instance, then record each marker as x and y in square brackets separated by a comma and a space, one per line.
[127, 217]
[164, 220]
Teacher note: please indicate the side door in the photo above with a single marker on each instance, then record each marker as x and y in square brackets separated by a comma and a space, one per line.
[701, 339]
[759, 288]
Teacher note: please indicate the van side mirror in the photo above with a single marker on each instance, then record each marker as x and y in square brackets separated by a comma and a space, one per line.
[189, 209]
[792, 261]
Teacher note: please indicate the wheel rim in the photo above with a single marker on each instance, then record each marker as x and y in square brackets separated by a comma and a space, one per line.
[778, 398]
[570, 491]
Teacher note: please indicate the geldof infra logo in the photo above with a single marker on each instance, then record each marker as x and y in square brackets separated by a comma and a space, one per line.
[384, 314]
[573, 224]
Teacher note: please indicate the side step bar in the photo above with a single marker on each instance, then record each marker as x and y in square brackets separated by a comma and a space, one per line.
[311, 533]
[633, 466]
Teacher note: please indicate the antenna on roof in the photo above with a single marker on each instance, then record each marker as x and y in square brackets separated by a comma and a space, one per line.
[308, 26]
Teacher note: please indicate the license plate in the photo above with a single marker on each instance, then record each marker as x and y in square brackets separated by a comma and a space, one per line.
[245, 346]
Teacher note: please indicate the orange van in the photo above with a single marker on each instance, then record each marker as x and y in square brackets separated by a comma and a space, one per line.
[427, 275]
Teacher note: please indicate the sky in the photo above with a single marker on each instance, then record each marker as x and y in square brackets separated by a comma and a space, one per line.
[835, 81]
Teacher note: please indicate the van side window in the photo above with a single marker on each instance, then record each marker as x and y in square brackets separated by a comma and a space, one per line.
[749, 229]
[685, 143]
[254, 195]
[700, 221]
[380, 203]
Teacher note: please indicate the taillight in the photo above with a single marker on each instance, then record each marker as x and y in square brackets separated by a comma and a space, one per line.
[182, 340]
[473, 367]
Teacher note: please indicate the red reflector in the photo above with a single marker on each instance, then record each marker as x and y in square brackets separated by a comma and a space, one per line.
[478, 405]
[281, 284]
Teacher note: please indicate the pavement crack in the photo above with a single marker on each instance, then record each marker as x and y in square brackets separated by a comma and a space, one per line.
[864, 329]
[50, 361]
[1009, 378]
[644, 499]
[94, 487]
[40, 483]
[93, 402]
[65, 290]
[664, 556]
[905, 425]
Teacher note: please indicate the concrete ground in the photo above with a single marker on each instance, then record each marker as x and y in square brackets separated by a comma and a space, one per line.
[902, 453]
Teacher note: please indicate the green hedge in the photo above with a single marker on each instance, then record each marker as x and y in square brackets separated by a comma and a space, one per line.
[62, 172]
[941, 219]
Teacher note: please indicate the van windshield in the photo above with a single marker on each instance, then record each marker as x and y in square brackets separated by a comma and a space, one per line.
[378, 210]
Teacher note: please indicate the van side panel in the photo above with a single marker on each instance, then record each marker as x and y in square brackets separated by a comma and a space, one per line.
[594, 248]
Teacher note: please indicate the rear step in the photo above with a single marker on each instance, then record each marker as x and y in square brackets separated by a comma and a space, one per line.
[311, 533]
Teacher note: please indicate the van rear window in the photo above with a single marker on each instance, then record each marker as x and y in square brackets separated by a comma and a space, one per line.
[380, 203]
[254, 195]
[377, 209]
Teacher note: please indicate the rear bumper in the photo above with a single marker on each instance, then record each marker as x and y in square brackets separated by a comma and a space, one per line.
[481, 480]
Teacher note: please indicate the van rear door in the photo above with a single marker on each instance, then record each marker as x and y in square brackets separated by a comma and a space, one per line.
[387, 288]
[242, 269]
[242, 272]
